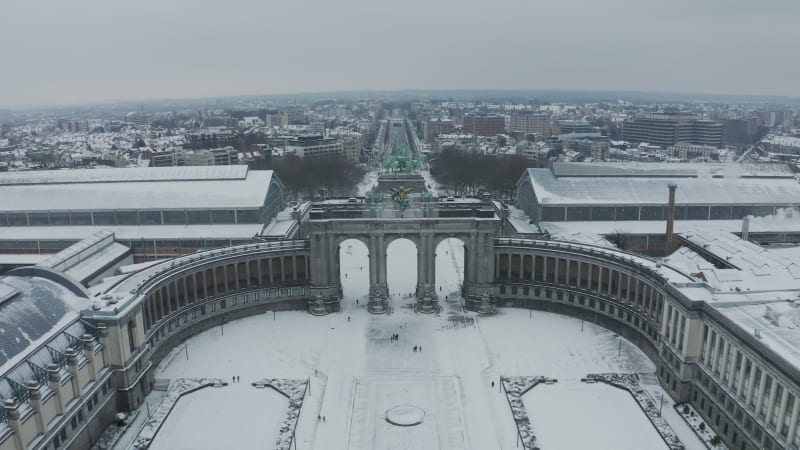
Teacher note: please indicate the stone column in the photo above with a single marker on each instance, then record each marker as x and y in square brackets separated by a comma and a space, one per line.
[472, 263]
[781, 409]
[12, 410]
[373, 261]
[382, 262]
[320, 274]
[430, 258]
[484, 254]
[422, 263]
[318, 252]
[54, 381]
[186, 300]
[533, 267]
[333, 263]
[214, 280]
[793, 420]
[555, 270]
[544, 268]
[88, 342]
[72, 367]
[35, 397]
[589, 276]
[247, 282]
[146, 313]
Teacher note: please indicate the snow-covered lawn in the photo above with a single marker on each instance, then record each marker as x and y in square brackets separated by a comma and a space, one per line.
[573, 415]
[357, 372]
[236, 416]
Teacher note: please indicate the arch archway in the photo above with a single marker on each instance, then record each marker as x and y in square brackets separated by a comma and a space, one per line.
[401, 267]
[450, 265]
[353, 270]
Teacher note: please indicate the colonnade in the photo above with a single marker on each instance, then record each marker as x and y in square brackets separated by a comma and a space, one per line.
[205, 282]
[574, 272]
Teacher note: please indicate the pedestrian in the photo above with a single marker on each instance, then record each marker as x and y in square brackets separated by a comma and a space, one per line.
[323, 419]
[420, 349]
[345, 275]
[440, 289]
[492, 383]
[319, 418]
[238, 379]
[415, 349]
[233, 379]
[348, 318]
[356, 302]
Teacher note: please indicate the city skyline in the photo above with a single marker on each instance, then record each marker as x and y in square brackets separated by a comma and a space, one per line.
[191, 50]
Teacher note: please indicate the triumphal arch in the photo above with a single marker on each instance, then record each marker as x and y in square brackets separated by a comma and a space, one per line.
[379, 219]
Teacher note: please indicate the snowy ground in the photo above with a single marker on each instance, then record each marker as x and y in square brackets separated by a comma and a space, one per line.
[213, 418]
[357, 372]
[568, 415]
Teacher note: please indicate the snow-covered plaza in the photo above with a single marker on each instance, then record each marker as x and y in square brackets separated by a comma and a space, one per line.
[358, 372]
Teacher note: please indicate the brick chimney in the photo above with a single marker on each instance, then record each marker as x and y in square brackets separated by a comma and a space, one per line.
[670, 244]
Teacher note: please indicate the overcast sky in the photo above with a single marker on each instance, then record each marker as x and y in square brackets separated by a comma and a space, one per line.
[57, 51]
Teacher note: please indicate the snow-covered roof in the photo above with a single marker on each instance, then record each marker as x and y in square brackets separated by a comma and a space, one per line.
[753, 268]
[220, 187]
[132, 232]
[39, 307]
[123, 175]
[588, 184]
[784, 220]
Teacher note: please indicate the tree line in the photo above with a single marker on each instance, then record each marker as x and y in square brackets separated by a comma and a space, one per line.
[465, 173]
[304, 177]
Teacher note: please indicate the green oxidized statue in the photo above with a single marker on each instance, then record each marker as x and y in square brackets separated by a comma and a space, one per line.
[400, 197]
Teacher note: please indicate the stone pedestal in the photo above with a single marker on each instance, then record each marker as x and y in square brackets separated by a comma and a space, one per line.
[426, 300]
[317, 307]
[323, 300]
[483, 303]
[378, 302]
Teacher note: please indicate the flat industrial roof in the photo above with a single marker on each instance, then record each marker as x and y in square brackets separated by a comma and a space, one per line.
[136, 189]
[123, 175]
[579, 186]
[131, 232]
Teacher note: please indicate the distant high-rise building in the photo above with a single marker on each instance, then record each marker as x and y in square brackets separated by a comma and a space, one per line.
[484, 125]
[314, 146]
[739, 131]
[574, 126]
[223, 156]
[139, 119]
[435, 127]
[317, 128]
[775, 118]
[296, 114]
[216, 137]
[530, 122]
[279, 120]
[666, 130]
